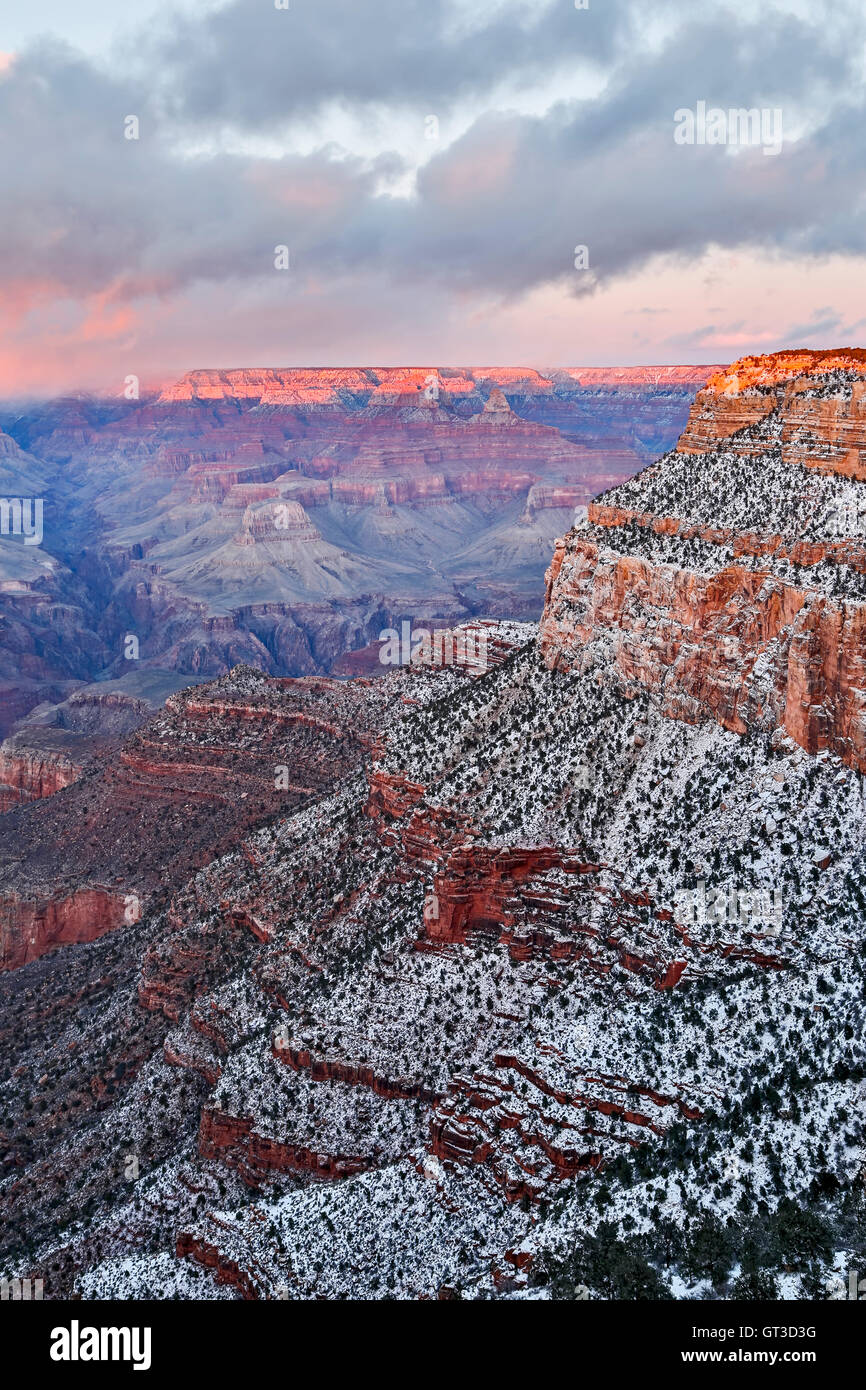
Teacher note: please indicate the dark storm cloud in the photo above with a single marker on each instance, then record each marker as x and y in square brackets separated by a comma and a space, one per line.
[497, 212]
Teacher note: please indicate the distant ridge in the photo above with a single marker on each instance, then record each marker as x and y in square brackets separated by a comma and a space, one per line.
[316, 385]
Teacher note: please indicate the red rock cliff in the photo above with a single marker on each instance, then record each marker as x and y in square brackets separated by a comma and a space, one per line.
[716, 619]
[26, 775]
[28, 929]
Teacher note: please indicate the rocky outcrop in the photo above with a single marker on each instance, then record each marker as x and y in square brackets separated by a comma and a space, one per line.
[541, 902]
[234, 1141]
[544, 902]
[501, 1120]
[29, 928]
[332, 1069]
[27, 774]
[741, 625]
[197, 1059]
[209, 1256]
[754, 387]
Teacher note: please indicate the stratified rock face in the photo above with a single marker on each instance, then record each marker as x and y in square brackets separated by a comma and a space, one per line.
[826, 431]
[267, 384]
[728, 579]
[638, 376]
[402, 385]
[26, 774]
[28, 929]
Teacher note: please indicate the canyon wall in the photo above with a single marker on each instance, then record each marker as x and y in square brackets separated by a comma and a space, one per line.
[757, 629]
[30, 928]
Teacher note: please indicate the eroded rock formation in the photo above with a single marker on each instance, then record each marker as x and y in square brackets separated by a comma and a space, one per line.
[756, 628]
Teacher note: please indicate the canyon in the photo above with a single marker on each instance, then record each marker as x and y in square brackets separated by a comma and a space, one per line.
[408, 1006]
[283, 517]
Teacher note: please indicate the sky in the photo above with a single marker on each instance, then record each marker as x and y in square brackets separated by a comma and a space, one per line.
[455, 182]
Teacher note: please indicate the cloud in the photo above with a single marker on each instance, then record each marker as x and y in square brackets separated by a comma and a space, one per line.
[251, 64]
[87, 209]
[104, 238]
